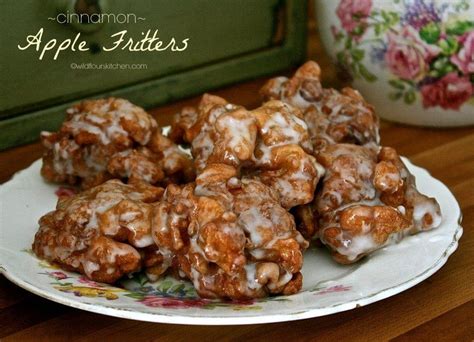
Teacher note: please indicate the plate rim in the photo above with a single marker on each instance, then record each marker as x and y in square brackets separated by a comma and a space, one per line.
[160, 317]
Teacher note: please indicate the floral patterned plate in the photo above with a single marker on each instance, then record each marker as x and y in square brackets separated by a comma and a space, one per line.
[328, 287]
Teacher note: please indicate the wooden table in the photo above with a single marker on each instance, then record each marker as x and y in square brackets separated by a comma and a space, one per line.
[440, 308]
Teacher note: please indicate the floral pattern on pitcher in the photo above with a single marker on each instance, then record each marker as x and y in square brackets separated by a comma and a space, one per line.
[426, 45]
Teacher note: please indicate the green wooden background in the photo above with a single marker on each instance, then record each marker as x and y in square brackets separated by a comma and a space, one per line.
[229, 41]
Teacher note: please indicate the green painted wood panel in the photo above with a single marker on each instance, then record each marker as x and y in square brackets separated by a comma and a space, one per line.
[288, 52]
[216, 30]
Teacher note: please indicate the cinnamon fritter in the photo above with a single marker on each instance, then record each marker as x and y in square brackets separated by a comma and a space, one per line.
[270, 143]
[331, 116]
[99, 232]
[369, 200]
[230, 236]
[111, 138]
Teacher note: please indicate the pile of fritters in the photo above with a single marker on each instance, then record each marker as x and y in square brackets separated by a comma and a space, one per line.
[236, 218]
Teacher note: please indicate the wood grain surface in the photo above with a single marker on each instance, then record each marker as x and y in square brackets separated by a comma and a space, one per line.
[440, 308]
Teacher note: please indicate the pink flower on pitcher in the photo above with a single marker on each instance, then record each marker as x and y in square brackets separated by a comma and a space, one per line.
[464, 59]
[408, 55]
[167, 302]
[334, 31]
[353, 15]
[450, 92]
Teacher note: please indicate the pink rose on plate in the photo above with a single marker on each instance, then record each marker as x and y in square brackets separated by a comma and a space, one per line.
[464, 59]
[168, 302]
[332, 289]
[449, 92]
[85, 280]
[353, 14]
[58, 275]
[408, 55]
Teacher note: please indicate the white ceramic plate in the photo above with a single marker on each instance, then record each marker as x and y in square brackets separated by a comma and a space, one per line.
[328, 287]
